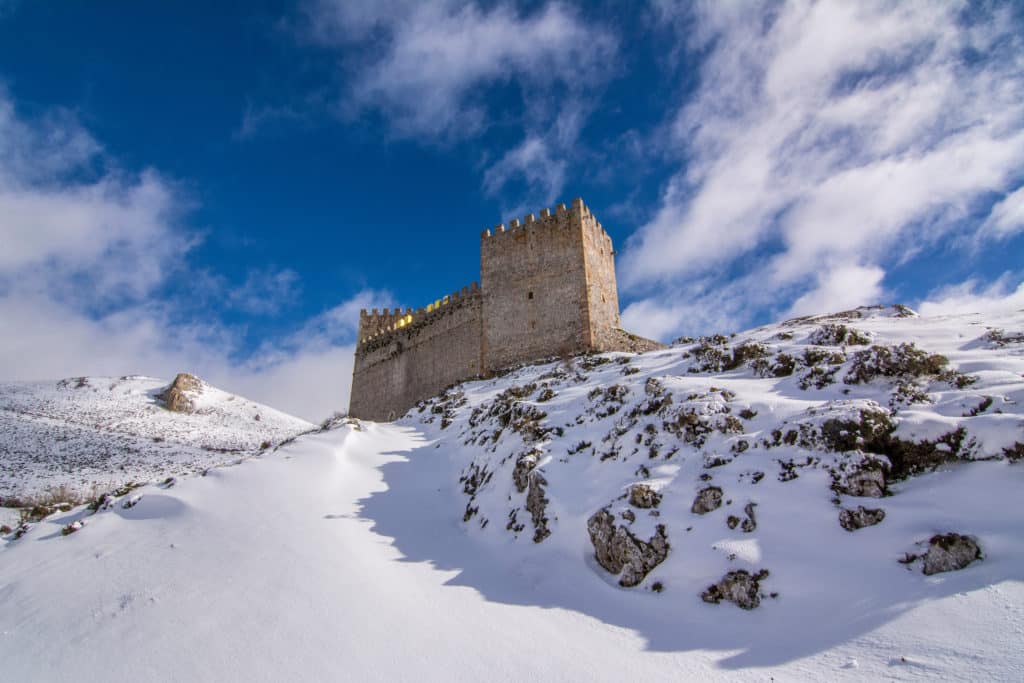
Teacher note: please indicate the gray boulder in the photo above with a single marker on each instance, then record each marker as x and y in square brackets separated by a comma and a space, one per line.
[865, 483]
[643, 496]
[707, 499]
[176, 395]
[739, 587]
[950, 552]
[851, 520]
[620, 552]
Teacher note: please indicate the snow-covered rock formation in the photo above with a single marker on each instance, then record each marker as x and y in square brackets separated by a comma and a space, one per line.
[721, 452]
[84, 436]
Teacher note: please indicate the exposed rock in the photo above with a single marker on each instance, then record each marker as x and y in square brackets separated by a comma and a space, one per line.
[750, 523]
[868, 482]
[739, 587]
[747, 525]
[851, 520]
[175, 395]
[620, 552]
[528, 478]
[949, 552]
[536, 505]
[707, 499]
[643, 496]
[521, 473]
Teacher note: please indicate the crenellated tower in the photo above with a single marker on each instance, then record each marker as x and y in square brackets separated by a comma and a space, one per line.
[547, 288]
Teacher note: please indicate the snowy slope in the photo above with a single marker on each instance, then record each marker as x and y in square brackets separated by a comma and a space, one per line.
[410, 551]
[92, 434]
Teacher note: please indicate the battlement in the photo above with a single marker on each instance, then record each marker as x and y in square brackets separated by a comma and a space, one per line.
[377, 326]
[559, 218]
[547, 288]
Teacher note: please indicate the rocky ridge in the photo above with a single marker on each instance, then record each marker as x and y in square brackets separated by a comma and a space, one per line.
[701, 440]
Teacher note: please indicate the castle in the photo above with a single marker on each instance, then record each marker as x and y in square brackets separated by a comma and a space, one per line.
[547, 288]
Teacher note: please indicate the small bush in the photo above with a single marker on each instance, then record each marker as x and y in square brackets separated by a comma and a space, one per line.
[746, 353]
[1001, 338]
[784, 365]
[71, 528]
[838, 335]
[903, 361]
[1015, 452]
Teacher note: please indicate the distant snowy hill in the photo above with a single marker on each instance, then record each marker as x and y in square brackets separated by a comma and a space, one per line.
[833, 497]
[93, 434]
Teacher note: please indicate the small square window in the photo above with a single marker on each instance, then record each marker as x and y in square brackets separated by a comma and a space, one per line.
[530, 295]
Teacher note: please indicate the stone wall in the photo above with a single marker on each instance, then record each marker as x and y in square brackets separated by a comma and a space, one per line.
[534, 288]
[397, 366]
[602, 289]
[548, 289]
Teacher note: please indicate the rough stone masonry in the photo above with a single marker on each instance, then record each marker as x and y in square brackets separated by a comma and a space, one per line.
[547, 289]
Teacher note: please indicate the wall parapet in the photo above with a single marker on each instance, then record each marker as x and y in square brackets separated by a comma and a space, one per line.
[546, 218]
[550, 289]
[380, 327]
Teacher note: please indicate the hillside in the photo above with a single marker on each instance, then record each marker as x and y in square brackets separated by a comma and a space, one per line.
[828, 497]
[87, 435]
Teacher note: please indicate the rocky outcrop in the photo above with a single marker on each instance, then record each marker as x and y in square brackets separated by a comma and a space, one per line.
[739, 587]
[620, 552]
[175, 395]
[851, 520]
[537, 505]
[643, 496]
[747, 525]
[525, 464]
[867, 482]
[707, 499]
[950, 552]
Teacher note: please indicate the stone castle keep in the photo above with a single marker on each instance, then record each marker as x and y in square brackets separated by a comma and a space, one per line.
[547, 288]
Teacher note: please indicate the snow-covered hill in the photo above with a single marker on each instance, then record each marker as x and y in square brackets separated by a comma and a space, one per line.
[87, 435]
[852, 480]
[727, 450]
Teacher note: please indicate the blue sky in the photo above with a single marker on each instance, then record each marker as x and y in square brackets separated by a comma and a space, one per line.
[221, 190]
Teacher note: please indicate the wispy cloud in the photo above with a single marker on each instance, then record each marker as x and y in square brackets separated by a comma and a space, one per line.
[430, 60]
[1007, 216]
[73, 221]
[432, 70]
[86, 249]
[829, 140]
[265, 291]
[972, 296]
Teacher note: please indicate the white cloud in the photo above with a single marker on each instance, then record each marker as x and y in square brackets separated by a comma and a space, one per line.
[972, 297]
[1007, 216]
[85, 248]
[307, 374]
[427, 61]
[106, 233]
[841, 288]
[433, 68]
[537, 163]
[265, 291]
[698, 305]
[832, 133]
